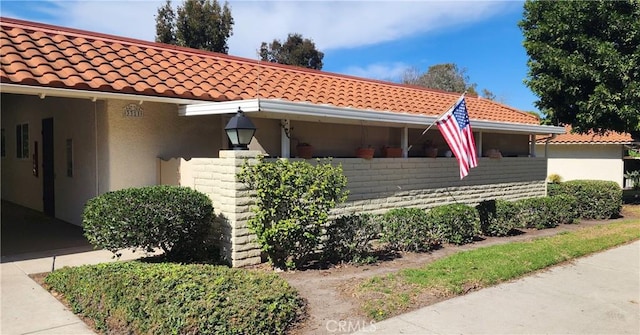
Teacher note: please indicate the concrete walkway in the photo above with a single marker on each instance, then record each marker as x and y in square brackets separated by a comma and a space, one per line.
[598, 294]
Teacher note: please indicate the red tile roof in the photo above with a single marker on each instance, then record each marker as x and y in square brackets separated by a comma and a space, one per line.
[573, 138]
[44, 55]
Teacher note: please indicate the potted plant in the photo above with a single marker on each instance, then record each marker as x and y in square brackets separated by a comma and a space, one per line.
[366, 153]
[304, 150]
[391, 152]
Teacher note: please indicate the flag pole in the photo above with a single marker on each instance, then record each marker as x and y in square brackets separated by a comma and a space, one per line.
[439, 116]
[445, 112]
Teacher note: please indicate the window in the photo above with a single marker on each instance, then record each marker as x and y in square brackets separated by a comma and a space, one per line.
[4, 147]
[69, 157]
[22, 140]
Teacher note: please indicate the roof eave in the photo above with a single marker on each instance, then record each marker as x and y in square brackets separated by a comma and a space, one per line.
[289, 108]
[43, 92]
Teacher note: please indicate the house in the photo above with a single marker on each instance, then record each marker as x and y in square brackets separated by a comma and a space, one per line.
[85, 113]
[590, 156]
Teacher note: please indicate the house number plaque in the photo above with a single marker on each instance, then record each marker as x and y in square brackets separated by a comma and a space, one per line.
[132, 110]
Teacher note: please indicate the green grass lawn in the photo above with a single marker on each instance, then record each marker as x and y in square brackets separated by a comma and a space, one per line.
[385, 296]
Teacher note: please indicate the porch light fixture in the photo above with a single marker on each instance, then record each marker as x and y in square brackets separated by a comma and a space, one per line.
[240, 131]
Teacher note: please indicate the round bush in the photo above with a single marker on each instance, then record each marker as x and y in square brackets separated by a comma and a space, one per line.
[176, 219]
[536, 213]
[348, 238]
[497, 217]
[458, 223]
[407, 229]
[596, 199]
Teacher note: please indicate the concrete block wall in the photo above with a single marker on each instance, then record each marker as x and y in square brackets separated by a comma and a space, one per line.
[216, 177]
[375, 186]
[380, 184]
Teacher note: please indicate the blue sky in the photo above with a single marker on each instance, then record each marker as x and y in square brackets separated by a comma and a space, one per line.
[372, 39]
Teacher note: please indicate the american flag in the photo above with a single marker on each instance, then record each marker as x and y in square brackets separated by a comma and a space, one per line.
[456, 130]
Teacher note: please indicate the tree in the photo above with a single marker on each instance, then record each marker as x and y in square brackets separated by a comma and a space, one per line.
[296, 50]
[199, 24]
[584, 63]
[446, 77]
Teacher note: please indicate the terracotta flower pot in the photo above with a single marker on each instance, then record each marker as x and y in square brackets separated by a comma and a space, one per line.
[305, 151]
[431, 152]
[392, 152]
[366, 153]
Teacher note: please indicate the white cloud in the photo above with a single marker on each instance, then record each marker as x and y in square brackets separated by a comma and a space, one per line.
[331, 25]
[381, 71]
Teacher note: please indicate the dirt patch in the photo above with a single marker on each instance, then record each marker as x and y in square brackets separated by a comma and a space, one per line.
[333, 306]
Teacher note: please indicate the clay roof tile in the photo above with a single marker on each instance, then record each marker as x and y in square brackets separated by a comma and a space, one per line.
[32, 53]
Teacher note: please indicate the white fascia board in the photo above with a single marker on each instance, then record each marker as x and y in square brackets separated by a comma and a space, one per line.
[44, 92]
[225, 107]
[517, 127]
[329, 111]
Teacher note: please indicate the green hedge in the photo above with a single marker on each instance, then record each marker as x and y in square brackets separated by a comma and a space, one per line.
[596, 199]
[458, 223]
[349, 237]
[176, 219]
[535, 213]
[565, 208]
[408, 229]
[497, 217]
[166, 298]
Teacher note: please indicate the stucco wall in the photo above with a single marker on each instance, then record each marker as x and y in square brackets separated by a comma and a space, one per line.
[585, 161]
[375, 185]
[72, 119]
[134, 143]
[127, 147]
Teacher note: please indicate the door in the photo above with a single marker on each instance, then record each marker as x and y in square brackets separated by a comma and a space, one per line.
[48, 175]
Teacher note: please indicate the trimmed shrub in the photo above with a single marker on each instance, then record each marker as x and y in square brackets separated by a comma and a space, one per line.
[292, 204]
[408, 229]
[564, 207]
[553, 189]
[497, 217]
[596, 199]
[535, 213]
[458, 223]
[348, 238]
[175, 219]
[168, 298]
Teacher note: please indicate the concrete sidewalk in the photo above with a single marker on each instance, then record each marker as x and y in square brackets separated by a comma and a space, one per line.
[597, 294]
[27, 308]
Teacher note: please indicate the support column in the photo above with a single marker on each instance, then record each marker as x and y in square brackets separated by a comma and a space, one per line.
[532, 145]
[479, 144]
[285, 140]
[405, 142]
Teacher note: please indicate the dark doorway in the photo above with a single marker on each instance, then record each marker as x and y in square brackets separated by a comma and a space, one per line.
[48, 175]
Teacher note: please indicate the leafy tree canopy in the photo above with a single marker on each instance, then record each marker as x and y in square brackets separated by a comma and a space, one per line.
[199, 24]
[584, 63]
[447, 77]
[296, 50]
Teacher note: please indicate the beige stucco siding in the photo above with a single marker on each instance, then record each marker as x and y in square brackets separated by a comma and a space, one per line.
[585, 161]
[72, 119]
[133, 144]
[111, 151]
